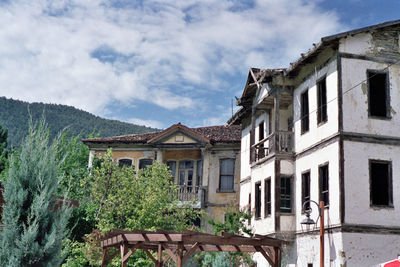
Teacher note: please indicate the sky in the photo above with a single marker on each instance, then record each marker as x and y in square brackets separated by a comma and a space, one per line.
[157, 63]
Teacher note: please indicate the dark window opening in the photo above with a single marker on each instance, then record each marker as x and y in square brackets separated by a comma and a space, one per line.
[172, 167]
[258, 200]
[305, 191]
[324, 184]
[261, 131]
[227, 168]
[305, 123]
[143, 163]
[286, 195]
[252, 149]
[267, 197]
[381, 183]
[125, 162]
[322, 115]
[309, 265]
[378, 94]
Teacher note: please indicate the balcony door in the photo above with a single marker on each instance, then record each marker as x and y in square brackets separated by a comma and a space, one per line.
[185, 178]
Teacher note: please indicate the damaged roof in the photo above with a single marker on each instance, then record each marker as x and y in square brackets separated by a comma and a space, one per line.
[215, 134]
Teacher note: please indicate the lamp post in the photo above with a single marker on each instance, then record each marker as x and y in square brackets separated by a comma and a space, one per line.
[309, 221]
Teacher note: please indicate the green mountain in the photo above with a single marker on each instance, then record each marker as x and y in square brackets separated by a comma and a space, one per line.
[14, 116]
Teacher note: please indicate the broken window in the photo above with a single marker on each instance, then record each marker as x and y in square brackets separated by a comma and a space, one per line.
[267, 197]
[322, 115]
[380, 183]
[378, 94]
[257, 200]
[324, 184]
[305, 190]
[143, 163]
[227, 168]
[125, 162]
[286, 194]
[305, 123]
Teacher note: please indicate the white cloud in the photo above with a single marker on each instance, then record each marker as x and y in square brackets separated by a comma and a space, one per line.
[149, 123]
[152, 52]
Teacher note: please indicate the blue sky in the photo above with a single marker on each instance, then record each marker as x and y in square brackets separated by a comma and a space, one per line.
[156, 62]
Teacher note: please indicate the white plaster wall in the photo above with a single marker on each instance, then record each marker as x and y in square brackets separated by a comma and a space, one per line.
[245, 170]
[259, 173]
[357, 187]
[355, 101]
[311, 162]
[308, 250]
[323, 131]
[370, 249]
[357, 44]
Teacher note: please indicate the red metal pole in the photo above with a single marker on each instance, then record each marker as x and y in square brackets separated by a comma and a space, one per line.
[321, 234]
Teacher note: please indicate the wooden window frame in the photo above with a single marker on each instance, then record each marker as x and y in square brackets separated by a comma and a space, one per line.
[257, 200]
[322, 102]
[303, 197]
[390, 183]
[286, 211]
[387, 97]
[220, 190]
[267, 198]
[320, 183]
[304, 115]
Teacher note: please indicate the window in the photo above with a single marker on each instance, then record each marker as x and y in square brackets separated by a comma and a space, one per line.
[305, 123]
[186, 173]
[380, 183]
[172, 167]
[324, 184]
[267, 197]
[252, 149]
[125, 162]
[305, 190]
[286, 194]
[143, 163]
[261, 131]
[378, 94]
[322, 115]
[227, 167]
[258, 200]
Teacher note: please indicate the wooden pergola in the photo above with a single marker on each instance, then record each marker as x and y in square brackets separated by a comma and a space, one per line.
[179, 246]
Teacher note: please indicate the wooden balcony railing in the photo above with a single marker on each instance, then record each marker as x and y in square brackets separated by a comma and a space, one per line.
[283, 143]
[190, 193]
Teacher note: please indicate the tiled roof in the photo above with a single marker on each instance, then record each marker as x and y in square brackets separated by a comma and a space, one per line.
[216, 134]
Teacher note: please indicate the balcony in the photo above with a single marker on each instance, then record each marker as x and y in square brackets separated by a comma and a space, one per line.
[194, 194]
[271, 145]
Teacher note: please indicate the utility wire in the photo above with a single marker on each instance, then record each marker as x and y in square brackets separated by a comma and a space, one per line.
[343, 93]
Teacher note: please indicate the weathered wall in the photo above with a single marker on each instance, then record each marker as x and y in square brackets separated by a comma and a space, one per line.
[317, 132]
[311, 162]
[355, 101]
[357, 185]
[194, 154]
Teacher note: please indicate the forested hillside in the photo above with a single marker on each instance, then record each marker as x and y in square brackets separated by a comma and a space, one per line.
[14, 116]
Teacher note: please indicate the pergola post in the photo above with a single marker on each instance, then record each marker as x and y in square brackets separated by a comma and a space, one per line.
[179, 255]
[123, 250]
[159, 256]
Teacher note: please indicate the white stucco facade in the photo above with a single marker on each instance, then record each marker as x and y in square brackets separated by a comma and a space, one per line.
[354, 149]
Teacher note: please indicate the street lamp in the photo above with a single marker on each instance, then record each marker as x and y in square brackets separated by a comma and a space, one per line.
[308, 221]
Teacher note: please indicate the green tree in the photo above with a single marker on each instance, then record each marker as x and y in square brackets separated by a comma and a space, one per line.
[3, 149]
[146, 200]
[34, 218]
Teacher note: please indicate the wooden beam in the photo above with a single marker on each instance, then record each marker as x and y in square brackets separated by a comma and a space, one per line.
[267, 257]
[179, 262]
[190, 252]
[159, 256]
[170, 252]
[123, 250]
[277, 256]
[150, 256]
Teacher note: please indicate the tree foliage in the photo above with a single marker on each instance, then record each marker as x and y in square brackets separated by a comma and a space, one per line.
[34, 218]
[3, 149]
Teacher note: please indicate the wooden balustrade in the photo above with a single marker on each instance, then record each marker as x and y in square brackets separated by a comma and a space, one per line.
[269, 146]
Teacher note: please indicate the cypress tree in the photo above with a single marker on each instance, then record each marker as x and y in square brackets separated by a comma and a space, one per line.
[3, 148]
[34, 227]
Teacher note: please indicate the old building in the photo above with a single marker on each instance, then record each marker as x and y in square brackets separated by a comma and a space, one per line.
[204, 161]
[327, 128]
